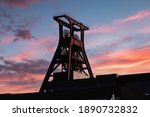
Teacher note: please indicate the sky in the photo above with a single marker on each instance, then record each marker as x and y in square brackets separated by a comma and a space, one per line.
[118, 39]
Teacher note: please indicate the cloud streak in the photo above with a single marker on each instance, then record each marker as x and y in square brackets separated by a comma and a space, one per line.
[16, 25]
[119, 24]
[102, 29]
[23, 76]
[138, 16]
[18, 3]
[30, 83]
[123, 62]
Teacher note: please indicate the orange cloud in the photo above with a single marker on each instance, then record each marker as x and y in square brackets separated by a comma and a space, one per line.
[138, 16]
[30, 83]
[123, 62]
[17, 89]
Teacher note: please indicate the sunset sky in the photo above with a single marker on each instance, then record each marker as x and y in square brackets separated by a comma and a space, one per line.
[118, 40]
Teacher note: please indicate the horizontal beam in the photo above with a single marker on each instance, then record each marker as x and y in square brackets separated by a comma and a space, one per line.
[79, 24]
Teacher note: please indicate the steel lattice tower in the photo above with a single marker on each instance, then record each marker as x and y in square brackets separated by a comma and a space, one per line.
[70, 54]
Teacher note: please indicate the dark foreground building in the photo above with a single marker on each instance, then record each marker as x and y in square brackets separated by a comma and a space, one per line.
[133, 87]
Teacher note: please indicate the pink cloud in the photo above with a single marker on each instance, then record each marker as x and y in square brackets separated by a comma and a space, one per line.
[106, 28]
[18, 3]
[33, 49]
[123, 62]
[103, 29]
[138, 16]
[144, 29]
[21, 56]
[7, 40]
[30, 83]
[23, 81]
[118, 24]
[42, 45]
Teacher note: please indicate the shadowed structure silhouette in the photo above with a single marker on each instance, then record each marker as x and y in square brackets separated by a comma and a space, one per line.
[70, 56]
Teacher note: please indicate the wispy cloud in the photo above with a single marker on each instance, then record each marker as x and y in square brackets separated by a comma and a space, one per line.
[119, 24]
[30, 83]
[103, 29]
[27, 66]
[123, 62]
[6, 40]
[24, 71]
[16, 25]
[18, 3]
[138, 16]
[145, 29]
[33, 49]
[23, 76]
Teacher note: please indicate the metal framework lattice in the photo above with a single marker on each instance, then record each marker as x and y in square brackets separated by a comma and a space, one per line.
[70, 54]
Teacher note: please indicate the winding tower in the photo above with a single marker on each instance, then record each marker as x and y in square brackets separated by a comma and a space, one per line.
[70, 61]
